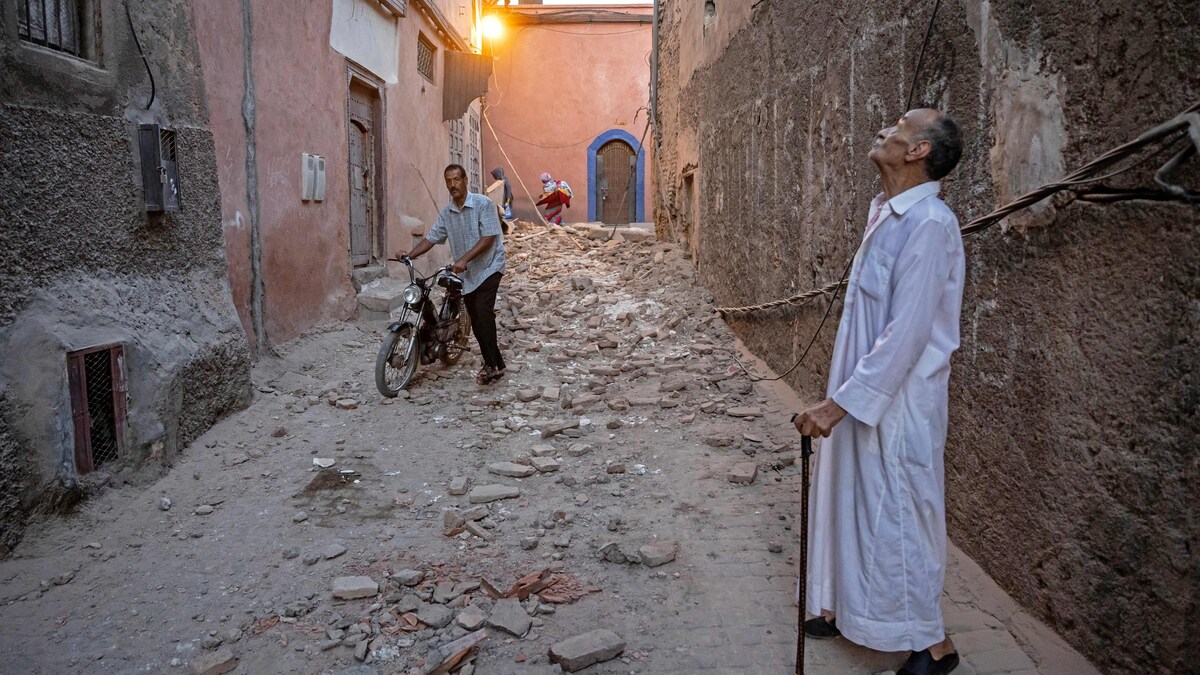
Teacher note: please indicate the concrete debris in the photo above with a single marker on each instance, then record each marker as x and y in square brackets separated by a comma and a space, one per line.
[470, 618]
[555, 428]
[409, 577]
[458, 485]
[434, 615]
[581, 651]
[657, 553]
[444, 658]
[743, 473]
[744, 411]
[509, 616]
[353, 588]
[544, 464]
[511, 469]
[631, 358]
[483, 494]
[214, 663]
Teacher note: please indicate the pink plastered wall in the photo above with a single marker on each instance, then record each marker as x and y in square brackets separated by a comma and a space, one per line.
[557, 87]
[300, 106]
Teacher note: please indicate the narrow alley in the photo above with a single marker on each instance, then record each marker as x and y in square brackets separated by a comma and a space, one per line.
[742, 336]
[626, 453]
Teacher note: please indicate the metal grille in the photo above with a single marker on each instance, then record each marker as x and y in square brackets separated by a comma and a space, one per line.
[425, 50]
[98, 369]
[474, 165]
[457, 129]
[51, 23]
[166, 139]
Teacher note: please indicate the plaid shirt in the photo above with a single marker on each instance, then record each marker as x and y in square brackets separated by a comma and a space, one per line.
[464, 228]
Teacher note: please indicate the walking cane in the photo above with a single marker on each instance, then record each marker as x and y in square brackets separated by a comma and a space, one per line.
[806, 451]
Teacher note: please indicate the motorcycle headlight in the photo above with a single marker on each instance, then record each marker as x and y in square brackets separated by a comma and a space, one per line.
[412, 294]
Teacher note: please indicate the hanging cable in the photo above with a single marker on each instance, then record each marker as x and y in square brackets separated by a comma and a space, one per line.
[921, 58]
[1169, 134]
[138, 44]
[518, 173]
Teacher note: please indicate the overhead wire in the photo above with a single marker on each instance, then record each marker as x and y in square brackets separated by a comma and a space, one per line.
[1168, 134]
[138, 43]
[500, 145]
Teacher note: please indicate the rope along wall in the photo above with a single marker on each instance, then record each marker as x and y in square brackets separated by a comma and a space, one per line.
[1183, 127]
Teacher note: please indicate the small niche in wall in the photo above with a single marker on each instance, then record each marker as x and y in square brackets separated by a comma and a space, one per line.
[710, 12]
[96, 377]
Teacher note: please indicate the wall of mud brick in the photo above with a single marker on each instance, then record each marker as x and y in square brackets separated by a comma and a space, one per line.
[1071, 465]
[83, 265]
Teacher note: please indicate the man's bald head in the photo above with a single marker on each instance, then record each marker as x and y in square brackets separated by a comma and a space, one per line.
[924, 138]
[945, 143]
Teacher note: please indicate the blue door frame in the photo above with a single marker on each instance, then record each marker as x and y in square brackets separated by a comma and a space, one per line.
[639, 182]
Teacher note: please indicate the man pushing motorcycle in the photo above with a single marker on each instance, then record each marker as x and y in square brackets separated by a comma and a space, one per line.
[470, 224]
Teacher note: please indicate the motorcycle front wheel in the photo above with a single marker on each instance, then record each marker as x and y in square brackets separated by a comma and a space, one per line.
[397, 360]
[457, 345]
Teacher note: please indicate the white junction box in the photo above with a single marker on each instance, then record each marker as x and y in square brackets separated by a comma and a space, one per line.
[312, 177]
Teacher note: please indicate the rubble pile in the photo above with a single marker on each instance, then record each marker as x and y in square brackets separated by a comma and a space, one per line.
[602, 337]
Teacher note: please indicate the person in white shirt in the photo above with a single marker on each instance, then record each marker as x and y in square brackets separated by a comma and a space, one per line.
[877, 536]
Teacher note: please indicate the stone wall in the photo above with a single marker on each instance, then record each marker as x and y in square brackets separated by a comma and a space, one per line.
[83, 265]
[1071, 464]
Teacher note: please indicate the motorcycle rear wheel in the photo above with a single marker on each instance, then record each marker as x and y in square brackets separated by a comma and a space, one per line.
[396, 363]
[457, 345]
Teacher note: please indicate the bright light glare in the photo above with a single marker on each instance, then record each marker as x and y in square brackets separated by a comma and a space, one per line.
[492, 28]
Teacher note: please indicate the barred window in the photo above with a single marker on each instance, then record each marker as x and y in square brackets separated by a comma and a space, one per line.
[456, 143]
[425, 52]
[474, 165]
[66, 26]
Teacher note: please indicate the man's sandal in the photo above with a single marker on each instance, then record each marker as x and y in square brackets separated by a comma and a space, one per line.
[923, 663]
[484, 376]
[821, 628]
[496, 374]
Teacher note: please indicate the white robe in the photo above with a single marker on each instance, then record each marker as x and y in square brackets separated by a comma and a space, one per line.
[877, 528]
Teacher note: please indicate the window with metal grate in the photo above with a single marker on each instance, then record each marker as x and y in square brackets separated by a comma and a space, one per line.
[425, 57]
[457, 132]
[474, 164]
[97, 383]
[68, 26]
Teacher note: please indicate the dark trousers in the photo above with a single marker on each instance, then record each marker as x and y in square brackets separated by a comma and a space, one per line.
[481, 307]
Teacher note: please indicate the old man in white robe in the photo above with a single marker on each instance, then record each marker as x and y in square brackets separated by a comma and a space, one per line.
[877, 533]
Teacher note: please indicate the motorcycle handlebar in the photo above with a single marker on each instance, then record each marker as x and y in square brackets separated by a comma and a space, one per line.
[412, 274]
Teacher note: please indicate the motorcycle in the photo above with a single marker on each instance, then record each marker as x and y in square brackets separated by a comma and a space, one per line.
[422, 333]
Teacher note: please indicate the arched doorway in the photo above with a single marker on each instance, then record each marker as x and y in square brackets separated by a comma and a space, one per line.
[616, 178]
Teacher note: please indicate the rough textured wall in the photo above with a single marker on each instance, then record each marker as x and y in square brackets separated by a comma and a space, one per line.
[1072, 461]
[555, 89]
[82, 265]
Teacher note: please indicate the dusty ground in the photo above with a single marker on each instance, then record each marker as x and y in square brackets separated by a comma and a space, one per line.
[643, 368]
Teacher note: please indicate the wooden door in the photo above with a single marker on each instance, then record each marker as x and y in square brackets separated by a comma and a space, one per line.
[616, 196]
[362, 174]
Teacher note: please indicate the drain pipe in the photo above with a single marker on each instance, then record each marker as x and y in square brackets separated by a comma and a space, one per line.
[257, 290]
[654, 71]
